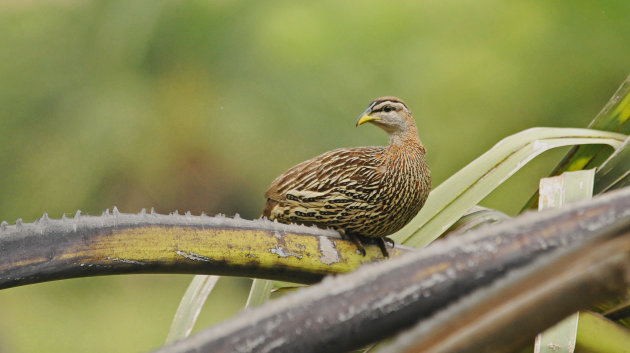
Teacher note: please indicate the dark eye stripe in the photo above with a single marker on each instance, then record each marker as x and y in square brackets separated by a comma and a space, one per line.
[379, 106]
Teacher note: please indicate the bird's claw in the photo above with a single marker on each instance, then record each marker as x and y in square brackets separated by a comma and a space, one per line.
[355, 239]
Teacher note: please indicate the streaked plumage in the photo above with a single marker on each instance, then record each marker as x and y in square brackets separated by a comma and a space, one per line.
[365, 191]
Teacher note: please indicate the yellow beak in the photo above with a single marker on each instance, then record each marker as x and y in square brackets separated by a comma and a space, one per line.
[364, 118]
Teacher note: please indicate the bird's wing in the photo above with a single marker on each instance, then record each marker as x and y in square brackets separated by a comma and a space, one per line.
[318, 180]
[321, 173]
[323, 180]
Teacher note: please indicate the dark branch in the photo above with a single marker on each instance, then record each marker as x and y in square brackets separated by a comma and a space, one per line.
[507, 316]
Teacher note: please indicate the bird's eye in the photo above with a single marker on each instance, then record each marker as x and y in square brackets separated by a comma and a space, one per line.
[388, 108]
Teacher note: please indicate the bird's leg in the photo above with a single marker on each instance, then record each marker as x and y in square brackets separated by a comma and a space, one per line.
[383, 246]
[354, 238]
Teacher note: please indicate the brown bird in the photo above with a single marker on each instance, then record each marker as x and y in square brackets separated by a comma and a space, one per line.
[363, 192]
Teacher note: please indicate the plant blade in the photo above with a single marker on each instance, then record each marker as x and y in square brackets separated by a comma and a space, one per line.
[259, 293]
[554, 193]
[615, 171]
[142, 243]
[559, 338]
[451, 199]
[190, 306]
[615, 116]
[476, 217]
[598, 334]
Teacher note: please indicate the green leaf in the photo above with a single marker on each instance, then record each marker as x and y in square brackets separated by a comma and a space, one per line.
[560, 338]
[567, 187]
[615, 172]
[451, 199]
[615, 116]
[259, 293]
[475, 218]
[190, 306]
[598, 334]
[554, 193]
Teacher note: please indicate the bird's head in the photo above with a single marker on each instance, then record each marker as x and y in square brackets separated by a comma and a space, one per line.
[390, 114]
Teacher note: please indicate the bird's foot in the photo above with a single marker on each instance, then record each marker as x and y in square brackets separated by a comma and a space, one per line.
[390, 241]
[355, 239]
[382, 244]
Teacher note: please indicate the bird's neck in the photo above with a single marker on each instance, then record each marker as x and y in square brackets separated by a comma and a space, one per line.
[405, 137]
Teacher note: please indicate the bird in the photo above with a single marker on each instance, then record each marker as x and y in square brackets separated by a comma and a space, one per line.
[362, 192]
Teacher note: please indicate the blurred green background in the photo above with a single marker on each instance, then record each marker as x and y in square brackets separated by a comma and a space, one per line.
[198, 105]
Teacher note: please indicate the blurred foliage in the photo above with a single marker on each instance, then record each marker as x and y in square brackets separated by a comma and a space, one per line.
[198, 105]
